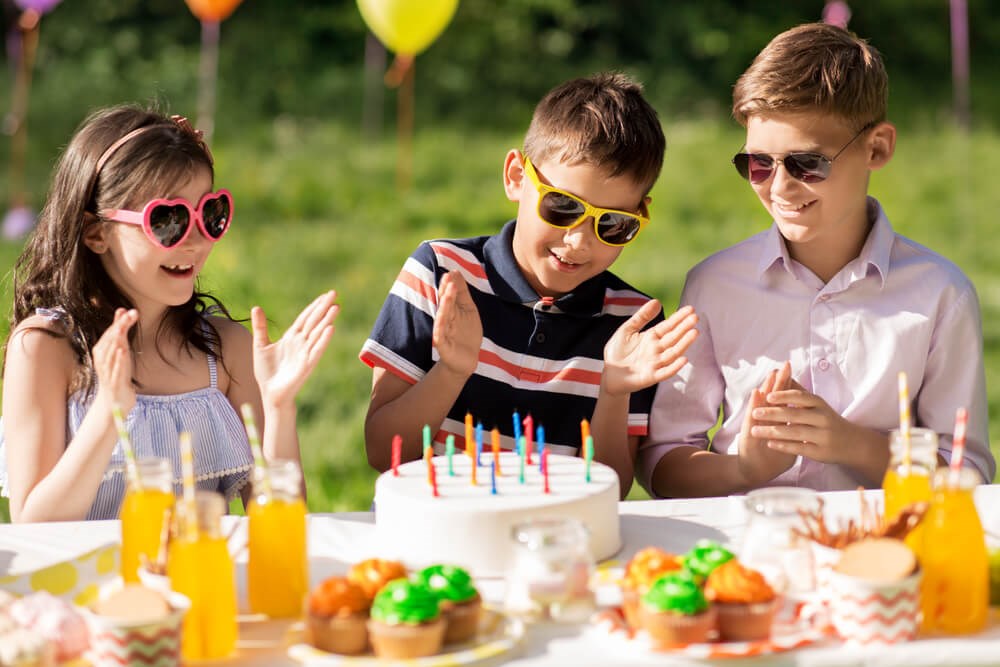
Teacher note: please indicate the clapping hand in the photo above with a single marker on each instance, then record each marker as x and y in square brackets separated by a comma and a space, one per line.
[113, 362]
[458, 331]
[759, 460]
[635, 359]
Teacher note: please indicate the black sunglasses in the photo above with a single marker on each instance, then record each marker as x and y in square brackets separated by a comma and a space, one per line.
[805, 167]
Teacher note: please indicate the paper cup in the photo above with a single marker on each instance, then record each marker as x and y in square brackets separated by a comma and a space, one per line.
[824, 560]
[865, 612]
[149, 644]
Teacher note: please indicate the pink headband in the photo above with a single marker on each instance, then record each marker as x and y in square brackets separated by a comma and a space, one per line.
[179, 121]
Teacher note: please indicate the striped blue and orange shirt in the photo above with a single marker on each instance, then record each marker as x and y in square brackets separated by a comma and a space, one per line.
[540, 356]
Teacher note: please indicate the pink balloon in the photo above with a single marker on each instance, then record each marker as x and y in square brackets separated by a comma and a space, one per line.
[40, 6]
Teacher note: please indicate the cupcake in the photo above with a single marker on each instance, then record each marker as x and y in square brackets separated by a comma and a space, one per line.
[705, 556]
[406, 621]
[674, 611]
[459, 600]
[134, 624]
[640, 573]
[21, 646]
[744, 601]
[374, 573]
[337, 616]
[54, 619]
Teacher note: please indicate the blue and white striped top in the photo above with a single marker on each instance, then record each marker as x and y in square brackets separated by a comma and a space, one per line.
[222, 458]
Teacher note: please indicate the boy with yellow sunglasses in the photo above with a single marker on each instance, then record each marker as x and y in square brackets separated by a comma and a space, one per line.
[530, 320]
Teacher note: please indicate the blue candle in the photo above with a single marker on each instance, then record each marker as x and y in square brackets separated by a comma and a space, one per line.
[540, 444]
[493, 477]
[479, 441]
[517, 428]
[449, 449]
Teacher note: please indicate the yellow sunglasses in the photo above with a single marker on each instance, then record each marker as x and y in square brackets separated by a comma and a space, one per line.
[565, 211]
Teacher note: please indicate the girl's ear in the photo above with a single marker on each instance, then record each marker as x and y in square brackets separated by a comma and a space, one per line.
[94, 234]
[513, 174]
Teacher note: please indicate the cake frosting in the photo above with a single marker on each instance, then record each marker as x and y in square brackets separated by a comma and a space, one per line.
[469, 526]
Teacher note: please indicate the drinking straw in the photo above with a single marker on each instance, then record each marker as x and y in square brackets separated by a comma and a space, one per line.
[187, 479]
[958, 446]
[131, 467]
[258, 453]
[904, 419]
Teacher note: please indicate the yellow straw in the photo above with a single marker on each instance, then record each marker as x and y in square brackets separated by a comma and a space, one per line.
[904, 419]
[187, 478]
[131, 467]
[258, 453]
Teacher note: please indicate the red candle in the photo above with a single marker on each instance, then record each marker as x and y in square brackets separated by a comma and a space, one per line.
[545, 468]
[495, 440]
[434, 479]
[397, 448]
[529, 430]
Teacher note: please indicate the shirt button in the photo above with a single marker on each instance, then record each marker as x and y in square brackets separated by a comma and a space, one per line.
[824, 297]
[540, 337]
[824, 365]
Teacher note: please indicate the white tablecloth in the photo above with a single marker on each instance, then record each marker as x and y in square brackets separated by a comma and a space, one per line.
[337, 540]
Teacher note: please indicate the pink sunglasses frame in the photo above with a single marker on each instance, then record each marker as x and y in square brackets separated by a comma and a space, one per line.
[142, 218]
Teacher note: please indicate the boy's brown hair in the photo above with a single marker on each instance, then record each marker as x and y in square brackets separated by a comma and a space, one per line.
[815, 67]
[601, 120]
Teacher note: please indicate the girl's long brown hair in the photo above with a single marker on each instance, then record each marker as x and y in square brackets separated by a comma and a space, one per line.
[57, 270]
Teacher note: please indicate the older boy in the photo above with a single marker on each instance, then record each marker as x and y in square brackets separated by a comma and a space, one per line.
[530, 320]
[804, 327]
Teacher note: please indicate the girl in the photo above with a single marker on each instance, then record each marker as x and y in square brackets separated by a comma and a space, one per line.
[106, 311]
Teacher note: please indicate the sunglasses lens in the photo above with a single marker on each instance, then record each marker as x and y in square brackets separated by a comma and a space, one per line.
[169, 223]
[807, 167]
[215, 213]
[559, 210]
[617, 228]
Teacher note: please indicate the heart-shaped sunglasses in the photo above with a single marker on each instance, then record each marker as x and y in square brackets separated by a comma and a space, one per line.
[168, 222]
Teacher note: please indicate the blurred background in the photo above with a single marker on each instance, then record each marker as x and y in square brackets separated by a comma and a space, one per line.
[333, 190]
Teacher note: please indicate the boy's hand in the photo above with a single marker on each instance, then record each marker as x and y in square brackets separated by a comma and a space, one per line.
[759, 461]
[113, 362]
[635, 359]
[282, 367]
[458, 331]
[801, 423]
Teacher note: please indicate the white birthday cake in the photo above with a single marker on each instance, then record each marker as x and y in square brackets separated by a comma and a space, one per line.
[470, 526]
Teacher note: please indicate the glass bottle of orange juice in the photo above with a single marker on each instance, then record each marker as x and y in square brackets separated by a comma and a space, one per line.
[143, 512]
[200, 567]
[908, 479]
[955, 593]
[277, 567]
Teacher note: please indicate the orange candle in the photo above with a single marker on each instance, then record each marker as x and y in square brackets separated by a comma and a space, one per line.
[495, 439]
[584, 430]
[470, 447]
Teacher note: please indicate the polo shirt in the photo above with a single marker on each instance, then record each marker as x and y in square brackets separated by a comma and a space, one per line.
[539, 356]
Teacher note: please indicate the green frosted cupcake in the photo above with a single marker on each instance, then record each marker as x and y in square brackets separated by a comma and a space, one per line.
[705, 556]
[460, 601]
[406, 621]
[674, 611]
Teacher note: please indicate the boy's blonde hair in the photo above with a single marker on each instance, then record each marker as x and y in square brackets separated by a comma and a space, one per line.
[602, 120]
[815, 68]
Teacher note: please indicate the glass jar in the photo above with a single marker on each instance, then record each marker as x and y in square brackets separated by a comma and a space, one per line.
[908, 478]
[550, 573]
[277, 528]
[200, 567]
[143, 514]
[771, 546]
[955, 593]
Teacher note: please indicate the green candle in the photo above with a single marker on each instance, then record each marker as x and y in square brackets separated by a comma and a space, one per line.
[449, 450]
[588, 453]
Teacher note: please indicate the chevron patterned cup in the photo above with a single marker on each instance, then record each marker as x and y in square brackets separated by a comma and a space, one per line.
[115, 643]
[869, 612]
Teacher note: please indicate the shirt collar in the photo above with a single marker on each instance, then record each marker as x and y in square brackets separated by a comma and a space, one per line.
[510, 285]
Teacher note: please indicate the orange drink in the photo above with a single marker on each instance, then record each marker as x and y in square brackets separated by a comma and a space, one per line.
[277, 567]
[200, 567]
[143, 513]
[908, 477]
[955, 593]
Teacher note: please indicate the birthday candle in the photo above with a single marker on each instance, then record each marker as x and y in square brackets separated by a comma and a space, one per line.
[397, 449]
[468, 434]
[588, 447]
[472, 479]
[584, 430]
[493, 477]
[545, 468]
[495, 438]
[521, 458]
[427, 436]
[449, 450]
[479, 441]
[428, 456]
[434, 479]
[529, 435]
[540, 443]
[517, 428]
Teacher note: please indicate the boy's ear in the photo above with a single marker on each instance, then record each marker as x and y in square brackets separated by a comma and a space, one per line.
[513, 174]
[881, 145]
[94, 234]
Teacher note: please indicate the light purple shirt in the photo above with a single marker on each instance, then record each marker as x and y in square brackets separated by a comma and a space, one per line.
[896, 307]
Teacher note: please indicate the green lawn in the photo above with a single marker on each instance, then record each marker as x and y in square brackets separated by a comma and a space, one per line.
[317, 208]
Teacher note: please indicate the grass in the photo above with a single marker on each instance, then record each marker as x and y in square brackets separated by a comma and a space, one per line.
[317, 207]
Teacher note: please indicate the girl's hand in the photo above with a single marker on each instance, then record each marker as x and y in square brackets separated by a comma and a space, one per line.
[458, 331]
[113, 362]
[281, 368]
[635, 359]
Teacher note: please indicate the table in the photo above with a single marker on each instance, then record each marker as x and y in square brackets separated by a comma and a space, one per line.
[337, 540]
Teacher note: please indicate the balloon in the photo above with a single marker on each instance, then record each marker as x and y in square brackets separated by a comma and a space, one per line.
[212, 10]
[407, 27]
[40, 6]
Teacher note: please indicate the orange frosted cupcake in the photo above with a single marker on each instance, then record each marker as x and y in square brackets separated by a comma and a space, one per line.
[745, 602]
[374, 573]
[337, 617]
[645, 567]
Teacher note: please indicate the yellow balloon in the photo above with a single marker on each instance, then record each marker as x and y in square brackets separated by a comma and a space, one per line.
[407, 27]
